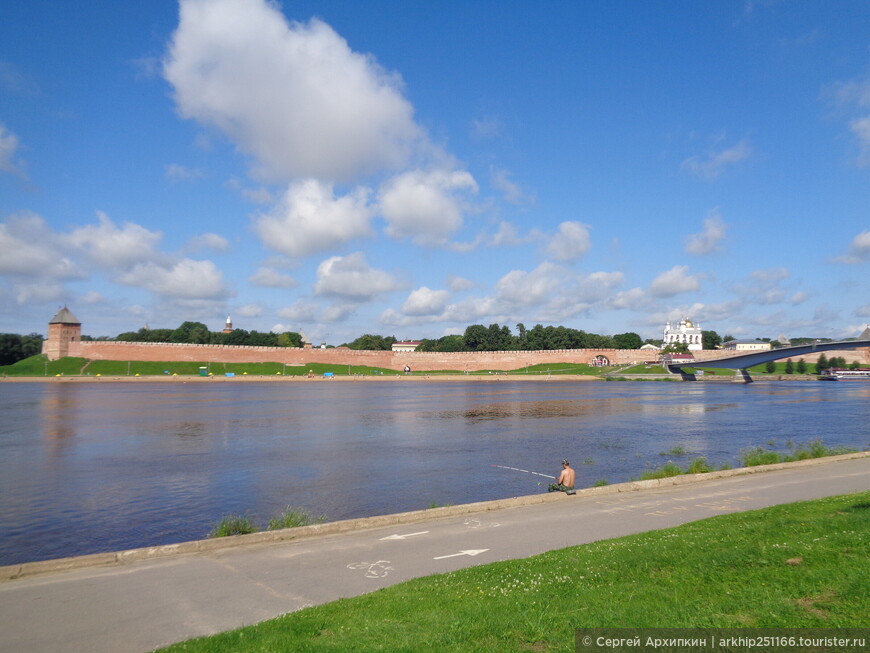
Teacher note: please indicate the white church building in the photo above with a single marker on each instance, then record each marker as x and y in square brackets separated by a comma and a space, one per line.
[686, 331]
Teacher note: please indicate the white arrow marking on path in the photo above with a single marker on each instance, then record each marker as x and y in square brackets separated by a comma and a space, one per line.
[402, 537]
[469, 552]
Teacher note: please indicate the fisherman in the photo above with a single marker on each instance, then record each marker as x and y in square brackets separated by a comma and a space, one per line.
[565, 482]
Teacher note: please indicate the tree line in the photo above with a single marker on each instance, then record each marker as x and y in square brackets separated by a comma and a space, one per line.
[14, 347]
[823, 363]
[495, 337]
[477, 337]
[197, 333]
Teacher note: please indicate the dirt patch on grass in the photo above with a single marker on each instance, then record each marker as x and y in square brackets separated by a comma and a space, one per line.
[810, 604]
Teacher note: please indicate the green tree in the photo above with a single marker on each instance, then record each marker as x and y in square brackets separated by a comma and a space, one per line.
[595, 341]
[10, 348]
[499, 338]
[789, 367]
[289, 339]
[521, 336]
[195, 333]
[629, 340]
[676, 348]
[535, 338]
[451, 343]
[476, 337]
[801, 366]
[770, 367]
[370, 342]
[822, 363]
[31, 345]
[237, 337]
[710, 339]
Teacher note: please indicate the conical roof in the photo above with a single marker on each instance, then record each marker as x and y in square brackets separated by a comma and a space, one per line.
[865, 334]
[64, 316]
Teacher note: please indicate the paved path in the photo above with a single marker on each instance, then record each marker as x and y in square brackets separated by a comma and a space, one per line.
[142, 605]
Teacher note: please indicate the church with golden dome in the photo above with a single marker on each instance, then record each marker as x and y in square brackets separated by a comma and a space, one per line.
[685, 331]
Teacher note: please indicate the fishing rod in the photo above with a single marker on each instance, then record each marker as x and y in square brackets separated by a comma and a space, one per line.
[517, 469]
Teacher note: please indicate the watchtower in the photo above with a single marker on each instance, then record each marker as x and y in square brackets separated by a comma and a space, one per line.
[63, 329]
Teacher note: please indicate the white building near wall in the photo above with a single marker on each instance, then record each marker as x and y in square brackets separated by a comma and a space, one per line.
[685, 332]
[406, 345]
[746, 345]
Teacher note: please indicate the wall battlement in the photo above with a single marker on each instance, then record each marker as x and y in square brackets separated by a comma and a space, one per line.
[418, 361]
[65, 340]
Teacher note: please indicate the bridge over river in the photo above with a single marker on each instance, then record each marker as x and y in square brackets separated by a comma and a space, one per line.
[744, 361]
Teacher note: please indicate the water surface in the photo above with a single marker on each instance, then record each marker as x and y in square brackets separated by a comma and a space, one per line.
[107, 466]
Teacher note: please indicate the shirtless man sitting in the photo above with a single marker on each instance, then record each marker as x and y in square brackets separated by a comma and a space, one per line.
[565, 481]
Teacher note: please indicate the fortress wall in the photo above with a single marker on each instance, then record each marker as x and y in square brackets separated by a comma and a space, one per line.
[851, 355]
[417, 361]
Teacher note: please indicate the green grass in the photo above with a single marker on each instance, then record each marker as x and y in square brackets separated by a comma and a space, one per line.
[39, 365]
[802, 565]
[780, 369]
[233, 525]
[561, 368]
[35, 366]
[816, 449]
[644, 369]
[292, 518]
[670, 468]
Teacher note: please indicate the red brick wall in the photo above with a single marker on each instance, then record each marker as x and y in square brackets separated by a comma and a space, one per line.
[418, 361]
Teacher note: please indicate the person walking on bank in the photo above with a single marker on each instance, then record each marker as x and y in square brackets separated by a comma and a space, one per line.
[565, 482]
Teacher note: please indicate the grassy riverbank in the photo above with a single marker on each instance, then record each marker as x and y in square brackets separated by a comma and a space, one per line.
[40, 366]
[797, 565]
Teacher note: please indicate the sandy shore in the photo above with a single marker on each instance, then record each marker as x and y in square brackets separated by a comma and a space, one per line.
[252, 378]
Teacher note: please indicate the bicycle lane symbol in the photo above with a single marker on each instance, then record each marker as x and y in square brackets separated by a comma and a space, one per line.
[377, 569]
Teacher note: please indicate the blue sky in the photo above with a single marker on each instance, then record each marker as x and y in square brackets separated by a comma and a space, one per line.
[410, 168]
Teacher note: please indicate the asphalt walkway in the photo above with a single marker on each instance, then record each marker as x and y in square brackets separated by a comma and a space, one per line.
[138, 601]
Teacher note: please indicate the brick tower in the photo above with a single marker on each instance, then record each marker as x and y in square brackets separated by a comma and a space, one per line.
[63, 329]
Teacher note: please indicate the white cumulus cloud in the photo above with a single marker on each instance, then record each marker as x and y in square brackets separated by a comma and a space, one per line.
[31, 249]
[352, 277]
[310, 218]
[570, 243]
[425, 206]
[425, 301]
[292, 95]
[709, 239]
[859, 249]
[116, 247]
[184, 279]
[271, 278]
[674, 281]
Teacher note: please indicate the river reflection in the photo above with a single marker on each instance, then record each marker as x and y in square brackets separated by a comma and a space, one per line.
[91, 467]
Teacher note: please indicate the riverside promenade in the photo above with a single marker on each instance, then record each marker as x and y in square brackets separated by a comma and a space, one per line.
[146, 598]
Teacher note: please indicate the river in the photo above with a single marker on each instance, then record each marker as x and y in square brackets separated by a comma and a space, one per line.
[90, 467]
